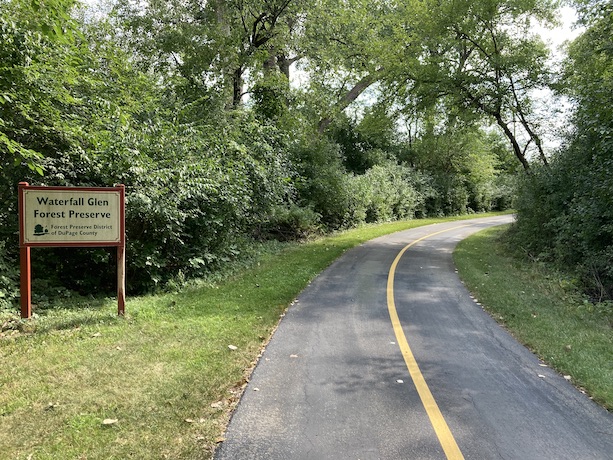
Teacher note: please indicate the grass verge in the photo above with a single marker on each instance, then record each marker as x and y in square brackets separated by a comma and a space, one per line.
[544, 310]
[76, 382]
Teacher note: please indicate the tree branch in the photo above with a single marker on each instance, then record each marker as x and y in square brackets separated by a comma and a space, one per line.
[348, 98]
[527, 127]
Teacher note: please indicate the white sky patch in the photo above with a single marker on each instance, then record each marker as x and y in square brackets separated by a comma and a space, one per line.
[565, 32]
[554, 112]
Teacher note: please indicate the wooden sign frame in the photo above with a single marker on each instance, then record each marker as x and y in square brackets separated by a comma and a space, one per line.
[71, 235]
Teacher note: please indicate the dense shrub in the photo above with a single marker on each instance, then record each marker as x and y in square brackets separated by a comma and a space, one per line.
[322, 182]
[565, 215]
[450, 197]
[388, 192]
[188, 216]
[193, 216]
[537, 205]
[288, 222]
[9, 278]
[504, 190]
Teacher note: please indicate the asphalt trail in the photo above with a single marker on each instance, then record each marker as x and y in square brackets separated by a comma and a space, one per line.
[333, 383]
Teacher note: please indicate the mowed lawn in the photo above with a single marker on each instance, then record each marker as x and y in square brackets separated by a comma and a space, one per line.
[544, 310]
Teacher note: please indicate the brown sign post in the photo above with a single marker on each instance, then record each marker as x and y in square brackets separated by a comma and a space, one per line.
[70, 216]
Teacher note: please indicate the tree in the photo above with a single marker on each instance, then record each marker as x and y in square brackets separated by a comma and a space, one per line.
[565, 214]
[38, 50]
[212, 45]
[482, 57]
[349, 47]
[465, 159]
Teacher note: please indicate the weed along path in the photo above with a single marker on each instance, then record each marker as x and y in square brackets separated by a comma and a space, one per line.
[386, 356]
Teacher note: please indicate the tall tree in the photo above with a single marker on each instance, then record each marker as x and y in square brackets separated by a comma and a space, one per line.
[351, 46]
[213, 45]
[484, 57]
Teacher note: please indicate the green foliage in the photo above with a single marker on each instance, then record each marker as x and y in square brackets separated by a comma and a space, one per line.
[192, 217]
[451, 197]
[388, 192]
[384, 192]
[371, 141]
[467, 164]
[289, 222]
[565, 214]
[322, 180]
[196, 187]
[39, 59]
[192, 106]
[9, 278]
[504, 191]
[270, 96]
[209, 47]
[483, 59]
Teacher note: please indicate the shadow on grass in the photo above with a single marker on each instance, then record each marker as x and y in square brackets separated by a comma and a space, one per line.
[60, 314]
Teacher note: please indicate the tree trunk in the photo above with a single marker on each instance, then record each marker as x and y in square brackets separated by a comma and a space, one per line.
[516, 148]
[284, 64]
[527, 127]
[496, 113]
[237, 87]
[347, 99]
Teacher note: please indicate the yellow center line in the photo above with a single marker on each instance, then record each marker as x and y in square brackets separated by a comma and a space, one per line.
[446, 439]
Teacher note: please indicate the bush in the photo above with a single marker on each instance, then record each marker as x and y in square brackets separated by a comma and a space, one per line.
[450, 197]
[192, 196]
[565, 216]
[322, 182]
[504, 192]
[391, 192]
[9, 278]
[289, 222]
[384, 193]
[193, 216]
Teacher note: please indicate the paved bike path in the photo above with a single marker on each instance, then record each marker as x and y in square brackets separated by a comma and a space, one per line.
[333, 382]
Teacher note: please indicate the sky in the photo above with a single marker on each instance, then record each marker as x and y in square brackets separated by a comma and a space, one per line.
[565, 32]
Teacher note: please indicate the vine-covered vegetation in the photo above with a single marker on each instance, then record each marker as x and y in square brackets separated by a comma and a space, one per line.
[231, 122]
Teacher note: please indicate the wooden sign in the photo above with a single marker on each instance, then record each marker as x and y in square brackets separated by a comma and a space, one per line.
[70, 216]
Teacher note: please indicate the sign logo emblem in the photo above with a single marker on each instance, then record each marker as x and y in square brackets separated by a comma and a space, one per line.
[39, 230]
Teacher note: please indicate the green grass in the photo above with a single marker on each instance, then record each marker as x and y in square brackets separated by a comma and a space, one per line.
[164, 373]
[544, 310]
